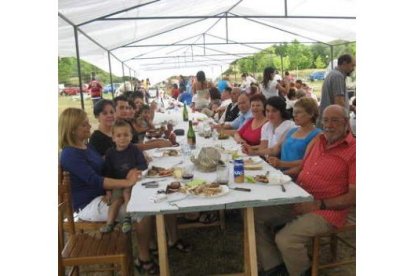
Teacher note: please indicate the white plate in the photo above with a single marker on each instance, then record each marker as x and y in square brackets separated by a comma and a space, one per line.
[252, 160]
[279, 179]
[163, 152]
[224, 190]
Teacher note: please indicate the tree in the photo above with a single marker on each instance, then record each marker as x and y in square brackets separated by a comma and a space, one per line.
[300, 56]
[65, 66]
[322, 51]
[319, 63]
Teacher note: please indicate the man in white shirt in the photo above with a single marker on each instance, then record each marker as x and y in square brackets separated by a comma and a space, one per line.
[247, 81]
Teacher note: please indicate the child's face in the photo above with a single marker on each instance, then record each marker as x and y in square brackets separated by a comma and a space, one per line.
[146, 114]
[122, 136]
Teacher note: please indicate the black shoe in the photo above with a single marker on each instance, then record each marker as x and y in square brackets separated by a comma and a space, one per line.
[307, 272]
[279, 270]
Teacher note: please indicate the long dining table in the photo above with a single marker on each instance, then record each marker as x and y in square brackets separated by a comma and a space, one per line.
[145, 201]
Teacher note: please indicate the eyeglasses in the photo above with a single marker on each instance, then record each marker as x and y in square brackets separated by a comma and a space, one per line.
[333, 120]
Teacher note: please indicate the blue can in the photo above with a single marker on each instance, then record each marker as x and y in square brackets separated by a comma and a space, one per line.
[238, 171]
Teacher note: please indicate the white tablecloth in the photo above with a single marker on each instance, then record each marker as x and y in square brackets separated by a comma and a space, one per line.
[141, 201]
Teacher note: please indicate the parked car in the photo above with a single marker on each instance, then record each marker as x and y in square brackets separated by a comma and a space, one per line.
[108, 88]
[318, 75]
[60, 88]
[74, 90]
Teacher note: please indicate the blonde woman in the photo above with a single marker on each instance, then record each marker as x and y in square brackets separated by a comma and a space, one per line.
[85, 166]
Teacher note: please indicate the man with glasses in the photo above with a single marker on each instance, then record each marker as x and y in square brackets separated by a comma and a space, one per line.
[328, 173]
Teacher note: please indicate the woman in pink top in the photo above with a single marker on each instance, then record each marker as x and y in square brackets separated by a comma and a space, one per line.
[250, 132]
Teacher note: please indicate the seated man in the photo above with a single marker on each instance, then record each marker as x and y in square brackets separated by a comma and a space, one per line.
[328, 173]
[123, 112]
[229, 128]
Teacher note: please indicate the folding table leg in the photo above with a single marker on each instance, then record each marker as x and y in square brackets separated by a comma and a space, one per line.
[250, 257]
[162, 246]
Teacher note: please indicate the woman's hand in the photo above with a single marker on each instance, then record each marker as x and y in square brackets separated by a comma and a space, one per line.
[245, 148]
[133, 176]
[274, 161]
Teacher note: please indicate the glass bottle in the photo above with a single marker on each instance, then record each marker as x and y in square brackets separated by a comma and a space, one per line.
[191, 138]
[185, 113]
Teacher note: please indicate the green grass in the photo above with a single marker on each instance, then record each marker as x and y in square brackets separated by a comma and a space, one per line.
[67, 101]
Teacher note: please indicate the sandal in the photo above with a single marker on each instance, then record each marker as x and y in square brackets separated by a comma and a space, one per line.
[147, 267]
[126, 225]
[108, 228]
[208, 218]
[182, 246]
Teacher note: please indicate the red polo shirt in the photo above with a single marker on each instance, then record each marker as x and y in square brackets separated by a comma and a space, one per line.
[327, 172]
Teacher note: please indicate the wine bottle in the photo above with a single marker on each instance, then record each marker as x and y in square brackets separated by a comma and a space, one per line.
[191, 138]
[185, 113]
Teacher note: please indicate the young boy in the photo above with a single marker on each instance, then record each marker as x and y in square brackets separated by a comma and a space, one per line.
[119, 160]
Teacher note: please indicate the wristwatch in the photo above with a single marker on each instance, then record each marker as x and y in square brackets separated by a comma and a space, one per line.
[322, 206]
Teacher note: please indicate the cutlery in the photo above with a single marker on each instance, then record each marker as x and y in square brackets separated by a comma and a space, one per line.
[241, 189]
[176, 200]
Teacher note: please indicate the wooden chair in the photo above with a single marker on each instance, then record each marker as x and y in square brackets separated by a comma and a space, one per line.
[97, 249]
[334, 238]
[80, 225]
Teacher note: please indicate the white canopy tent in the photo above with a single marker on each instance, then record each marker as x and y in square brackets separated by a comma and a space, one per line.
[160, 38]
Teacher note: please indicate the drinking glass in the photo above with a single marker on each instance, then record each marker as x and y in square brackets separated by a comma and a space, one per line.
[188, 172]
[222, 175]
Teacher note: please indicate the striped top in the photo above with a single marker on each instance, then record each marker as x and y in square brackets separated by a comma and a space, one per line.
[327, 172]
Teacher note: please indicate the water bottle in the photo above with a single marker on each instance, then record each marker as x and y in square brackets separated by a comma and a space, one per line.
[238, 171]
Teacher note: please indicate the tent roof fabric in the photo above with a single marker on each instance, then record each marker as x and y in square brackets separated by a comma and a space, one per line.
[157, 35]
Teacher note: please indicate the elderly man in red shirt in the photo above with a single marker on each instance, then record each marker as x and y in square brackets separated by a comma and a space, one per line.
[328, 173]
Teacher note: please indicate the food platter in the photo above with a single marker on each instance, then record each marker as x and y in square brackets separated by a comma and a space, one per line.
[277, 179]
[158, 172]
[205, 190]
[252, 163]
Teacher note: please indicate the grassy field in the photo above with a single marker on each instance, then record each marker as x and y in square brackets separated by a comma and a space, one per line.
[70, 101]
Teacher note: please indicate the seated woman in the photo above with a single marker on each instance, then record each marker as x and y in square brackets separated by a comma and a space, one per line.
[299, 139]
[88, 185]
[101, 139]
[272, 132]
[175, 92]
[250, 132]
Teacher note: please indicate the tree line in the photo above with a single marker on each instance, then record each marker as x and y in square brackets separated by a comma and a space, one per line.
[292, 56]
[68, 72]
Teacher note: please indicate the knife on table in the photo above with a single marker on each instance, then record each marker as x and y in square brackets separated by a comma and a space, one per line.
[241, 189]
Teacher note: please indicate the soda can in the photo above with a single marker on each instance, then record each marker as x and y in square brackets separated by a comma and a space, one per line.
[238, 171]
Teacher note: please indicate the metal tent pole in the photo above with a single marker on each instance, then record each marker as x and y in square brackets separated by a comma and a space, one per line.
[123, 75]
[332, 58]
[110, 74]
[79, 67]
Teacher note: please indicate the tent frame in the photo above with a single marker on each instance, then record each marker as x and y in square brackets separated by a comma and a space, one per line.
[223, 15]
